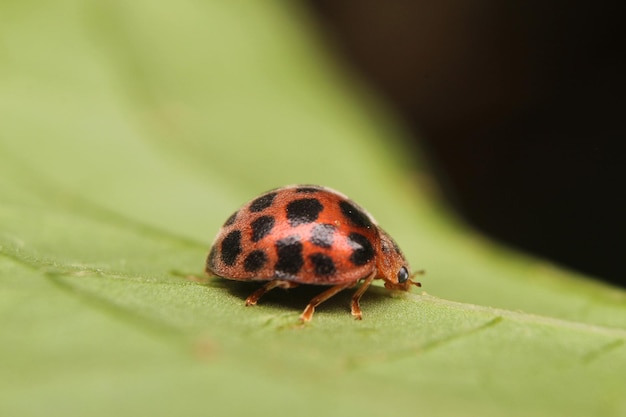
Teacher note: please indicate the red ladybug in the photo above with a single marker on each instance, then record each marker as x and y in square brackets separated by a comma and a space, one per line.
[307, 234]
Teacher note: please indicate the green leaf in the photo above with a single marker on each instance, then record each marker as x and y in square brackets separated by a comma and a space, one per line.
[129, 131]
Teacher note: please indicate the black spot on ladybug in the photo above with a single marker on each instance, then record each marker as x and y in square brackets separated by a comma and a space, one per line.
[355, 215]
[231, 219]
[385, 247]
[363, 250]
[231, 247]
[303, 211]
[322, 235]
[307, 189]
[289, 251]
[262, 202]
[255, 261]
[323, 264]
[210, 262]
[261, 227]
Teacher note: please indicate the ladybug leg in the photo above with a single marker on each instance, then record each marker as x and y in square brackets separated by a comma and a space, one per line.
[254, 297]
[356, 308]
[307, 314]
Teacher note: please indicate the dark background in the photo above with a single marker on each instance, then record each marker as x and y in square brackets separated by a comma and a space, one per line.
[521, 106]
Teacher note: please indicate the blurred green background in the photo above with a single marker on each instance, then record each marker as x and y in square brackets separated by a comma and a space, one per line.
[129, 131]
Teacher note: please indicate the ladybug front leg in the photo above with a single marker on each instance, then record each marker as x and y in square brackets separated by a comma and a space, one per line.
[307, 314]
[254, 297]
[356, 308]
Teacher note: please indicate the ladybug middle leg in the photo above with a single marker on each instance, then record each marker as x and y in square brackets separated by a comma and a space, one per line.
[277, 283]
[307, 314]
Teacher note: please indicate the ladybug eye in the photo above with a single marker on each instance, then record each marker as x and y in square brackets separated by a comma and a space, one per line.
[403, 275]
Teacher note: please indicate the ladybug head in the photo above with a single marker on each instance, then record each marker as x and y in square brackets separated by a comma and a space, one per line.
[392, 266]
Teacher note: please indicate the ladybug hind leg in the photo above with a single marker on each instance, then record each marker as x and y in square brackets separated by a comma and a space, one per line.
[277, 283]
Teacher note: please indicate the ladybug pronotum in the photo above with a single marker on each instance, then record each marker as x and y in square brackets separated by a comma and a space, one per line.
[307, 234]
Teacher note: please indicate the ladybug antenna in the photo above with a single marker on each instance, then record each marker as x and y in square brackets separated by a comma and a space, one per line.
[420, 272]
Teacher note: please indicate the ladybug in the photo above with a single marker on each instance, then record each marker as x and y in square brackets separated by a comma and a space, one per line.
[307, 234]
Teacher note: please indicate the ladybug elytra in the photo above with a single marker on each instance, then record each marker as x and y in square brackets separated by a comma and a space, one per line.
[307, 234]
